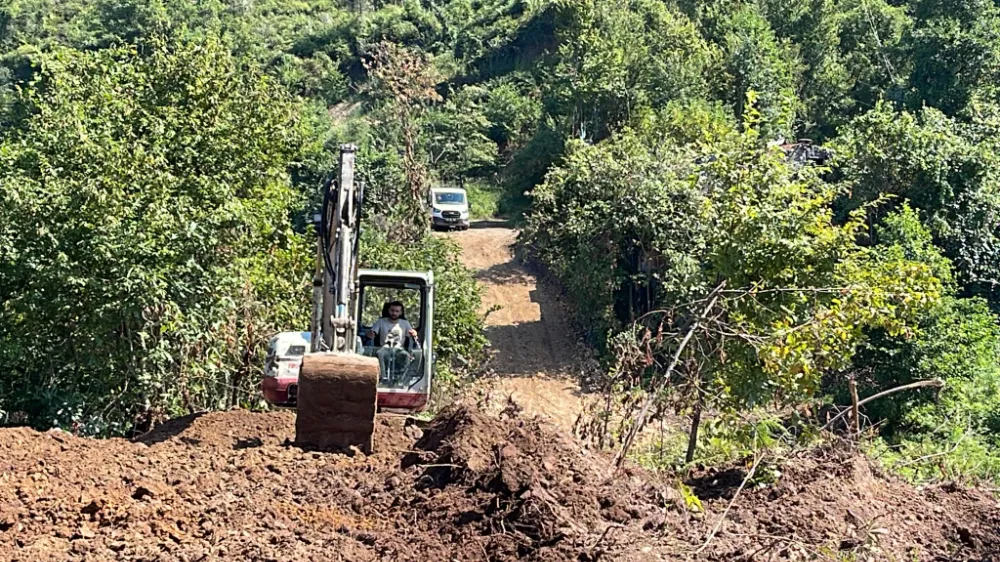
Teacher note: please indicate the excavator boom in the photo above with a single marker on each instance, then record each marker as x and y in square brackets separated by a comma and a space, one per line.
[337, 386]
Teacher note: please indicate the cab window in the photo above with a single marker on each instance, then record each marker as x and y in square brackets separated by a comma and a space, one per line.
[375, 299]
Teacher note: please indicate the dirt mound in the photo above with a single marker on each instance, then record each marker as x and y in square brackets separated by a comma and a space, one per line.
[524, 491]
[470, 486]
[831, 504]
[224, 429]
[221, 485]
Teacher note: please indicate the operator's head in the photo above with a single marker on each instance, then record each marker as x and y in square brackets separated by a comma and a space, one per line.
[395, 310]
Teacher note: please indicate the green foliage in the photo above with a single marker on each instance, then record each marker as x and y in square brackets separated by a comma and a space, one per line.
[956, 341]
[850, 54]
[615, 58]
[634, 226]
[484, 200]
[608, 208]
[315, 77]
[955, 46]
[727, 439]
[513, 106]
[929, 432]
[456, 137]
[143, 255]
[953, 453]
[756, 60]
[946, 170]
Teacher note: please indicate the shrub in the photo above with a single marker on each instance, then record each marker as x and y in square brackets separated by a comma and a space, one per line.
[139, 252]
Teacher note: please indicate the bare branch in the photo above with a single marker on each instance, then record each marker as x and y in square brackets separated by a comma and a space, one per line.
[640, 420]
[919, 384]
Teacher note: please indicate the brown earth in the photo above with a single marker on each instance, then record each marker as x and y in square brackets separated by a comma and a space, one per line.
[536, 357]
[474, 485]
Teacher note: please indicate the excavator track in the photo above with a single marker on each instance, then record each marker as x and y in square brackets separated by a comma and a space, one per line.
[337, 402]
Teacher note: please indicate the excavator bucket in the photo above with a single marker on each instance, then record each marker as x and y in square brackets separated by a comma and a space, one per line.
[336, 401]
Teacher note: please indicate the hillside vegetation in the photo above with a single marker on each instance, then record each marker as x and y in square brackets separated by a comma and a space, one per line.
[158, 159]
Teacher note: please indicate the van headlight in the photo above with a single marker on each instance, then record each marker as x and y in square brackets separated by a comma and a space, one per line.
[465, 214]
[435, 211]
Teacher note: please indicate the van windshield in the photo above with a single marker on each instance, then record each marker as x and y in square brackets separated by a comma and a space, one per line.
[449, 198]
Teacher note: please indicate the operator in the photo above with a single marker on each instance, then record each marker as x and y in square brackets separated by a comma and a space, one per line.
[391, 329]
[391, 332]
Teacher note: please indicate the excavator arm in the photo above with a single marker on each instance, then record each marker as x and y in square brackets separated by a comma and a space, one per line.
[337, 387]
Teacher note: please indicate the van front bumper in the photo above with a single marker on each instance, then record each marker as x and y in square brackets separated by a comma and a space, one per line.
[451, 223]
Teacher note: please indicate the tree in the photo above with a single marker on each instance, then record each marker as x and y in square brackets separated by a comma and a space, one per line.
[756, 60]
[402, 87]
[851, 54]
[455, 134]
[143, 253]
[944, 169]
[956, 342]
[617, 59]
[955, 46]
[790, 291]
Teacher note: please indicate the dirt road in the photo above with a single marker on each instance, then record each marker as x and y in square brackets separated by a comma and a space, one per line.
[537, 360]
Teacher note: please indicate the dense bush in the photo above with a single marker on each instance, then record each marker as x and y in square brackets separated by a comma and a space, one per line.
[609, 210]
[639, 220]
[142, 252]
[185, 198]
[945, 169]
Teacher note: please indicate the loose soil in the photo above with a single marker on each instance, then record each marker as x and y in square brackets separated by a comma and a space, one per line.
[500, 483]
[470, 486]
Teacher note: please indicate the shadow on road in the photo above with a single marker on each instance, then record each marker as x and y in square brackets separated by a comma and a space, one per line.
[503, 274]
[490, 223]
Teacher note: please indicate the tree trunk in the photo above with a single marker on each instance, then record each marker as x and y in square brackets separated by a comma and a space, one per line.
[693, 435]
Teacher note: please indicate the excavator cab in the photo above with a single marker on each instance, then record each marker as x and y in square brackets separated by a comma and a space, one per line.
[404, 370]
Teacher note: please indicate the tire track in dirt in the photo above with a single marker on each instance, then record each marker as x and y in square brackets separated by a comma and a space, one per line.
[536, 359]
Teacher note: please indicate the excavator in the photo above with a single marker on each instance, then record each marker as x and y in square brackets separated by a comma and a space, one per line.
[348, 373]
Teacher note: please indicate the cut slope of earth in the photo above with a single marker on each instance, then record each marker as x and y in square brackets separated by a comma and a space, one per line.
[473, 486]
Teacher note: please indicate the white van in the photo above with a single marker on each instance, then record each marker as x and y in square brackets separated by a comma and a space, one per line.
[449, 208]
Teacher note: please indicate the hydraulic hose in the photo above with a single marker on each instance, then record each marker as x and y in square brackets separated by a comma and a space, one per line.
[324, 233]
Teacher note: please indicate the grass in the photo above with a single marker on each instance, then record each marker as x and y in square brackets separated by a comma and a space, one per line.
[488, 200]
[967, 458]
